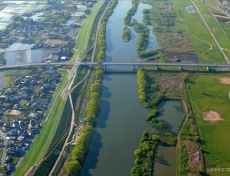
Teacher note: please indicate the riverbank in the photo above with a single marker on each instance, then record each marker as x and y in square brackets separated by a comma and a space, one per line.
[93, 106]
[171, 86]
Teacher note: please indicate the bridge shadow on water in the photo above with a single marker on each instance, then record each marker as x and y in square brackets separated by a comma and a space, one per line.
[126, 70]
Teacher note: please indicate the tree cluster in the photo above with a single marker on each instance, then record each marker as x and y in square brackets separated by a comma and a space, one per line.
[131, 12]
[143, 32]
[126, 34]
[157, 123]
[152, 114]
[144, 155]
[78, 154]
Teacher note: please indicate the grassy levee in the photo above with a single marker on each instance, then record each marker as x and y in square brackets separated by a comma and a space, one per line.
[212, 2]
[84, 32]
[39, 146]
[41, 142]
[207, 94]
[197, 33]
[225, 27]
[94, 26]
[57, 142]
[215, 27]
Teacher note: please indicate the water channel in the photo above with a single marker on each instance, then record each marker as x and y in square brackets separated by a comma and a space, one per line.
[121, 121]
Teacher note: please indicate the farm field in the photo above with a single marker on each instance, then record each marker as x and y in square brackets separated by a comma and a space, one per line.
[204, 45]
[11, 75]
[209, 96]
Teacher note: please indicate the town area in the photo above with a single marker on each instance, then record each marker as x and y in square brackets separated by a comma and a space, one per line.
[32, 32]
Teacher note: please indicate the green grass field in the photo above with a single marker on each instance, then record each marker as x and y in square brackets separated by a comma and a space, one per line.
[13, 72]
[41, 142]
[215, 27]
[213, 6]
[197, 33]
[206, 94]
[84, 32]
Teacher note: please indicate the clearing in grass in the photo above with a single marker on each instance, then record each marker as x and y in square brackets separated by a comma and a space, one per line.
[212, 116]
[223, 80]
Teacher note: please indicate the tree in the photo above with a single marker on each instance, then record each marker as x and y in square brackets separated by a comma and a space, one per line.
[78, 153]
[73, 168]
[96, 87]
[99, 74]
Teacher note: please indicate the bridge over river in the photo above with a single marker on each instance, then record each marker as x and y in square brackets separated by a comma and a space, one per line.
[132, 64]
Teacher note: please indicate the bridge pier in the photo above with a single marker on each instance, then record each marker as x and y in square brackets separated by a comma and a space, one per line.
[180, 68]
[207, 68]
[133, 68]
[157, 67]
[104, 68]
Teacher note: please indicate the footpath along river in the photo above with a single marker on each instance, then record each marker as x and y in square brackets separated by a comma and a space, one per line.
[121, 120]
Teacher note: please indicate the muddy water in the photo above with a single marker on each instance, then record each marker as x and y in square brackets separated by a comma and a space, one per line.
[121, 121]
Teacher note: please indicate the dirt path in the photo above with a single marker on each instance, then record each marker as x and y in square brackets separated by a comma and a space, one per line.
[209, 30]
[225, 49]
[205, 50]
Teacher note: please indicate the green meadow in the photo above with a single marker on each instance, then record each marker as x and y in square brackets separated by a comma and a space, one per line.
[195, 30]
[215, 27]
[207, 94]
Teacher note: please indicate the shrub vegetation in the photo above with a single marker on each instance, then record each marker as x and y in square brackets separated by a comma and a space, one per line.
[144, 155]
[126, 34]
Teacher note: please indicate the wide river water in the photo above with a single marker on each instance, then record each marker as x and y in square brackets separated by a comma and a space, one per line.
[121, 121]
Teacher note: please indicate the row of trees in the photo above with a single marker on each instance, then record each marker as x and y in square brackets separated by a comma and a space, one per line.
[153, 113]
[73, 167]
[126, 34]
[81, 148]
[131, 12]
[141, 83]
[144, 155]
[143, 32]
[147, 53]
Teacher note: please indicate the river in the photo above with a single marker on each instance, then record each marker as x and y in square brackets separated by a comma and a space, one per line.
[121, 120]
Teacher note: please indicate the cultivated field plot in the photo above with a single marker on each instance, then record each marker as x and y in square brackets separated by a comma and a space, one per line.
[209, 95]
